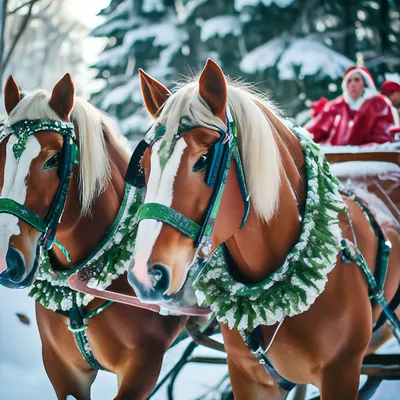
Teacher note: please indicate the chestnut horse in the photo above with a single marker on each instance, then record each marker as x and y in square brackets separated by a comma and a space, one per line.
[325, 344]
[127, 341]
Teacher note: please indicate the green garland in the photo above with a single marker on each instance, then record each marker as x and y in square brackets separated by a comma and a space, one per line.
[289, 291]
[294, 286]
[109, 261]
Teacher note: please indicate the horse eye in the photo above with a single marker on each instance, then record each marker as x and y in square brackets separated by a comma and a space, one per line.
[201, 163]
[52, 162]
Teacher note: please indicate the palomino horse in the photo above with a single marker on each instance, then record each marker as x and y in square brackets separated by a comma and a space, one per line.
[125, 340]
[179, 224]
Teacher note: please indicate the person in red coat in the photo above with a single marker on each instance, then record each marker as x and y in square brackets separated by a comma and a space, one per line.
[358, 117]
[392, 91]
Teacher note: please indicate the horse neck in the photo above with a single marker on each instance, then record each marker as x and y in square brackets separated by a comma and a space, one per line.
[80, 234]
[259, 248]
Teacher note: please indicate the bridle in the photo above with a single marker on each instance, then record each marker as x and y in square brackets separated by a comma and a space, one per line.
[64, 160]
[216, 177]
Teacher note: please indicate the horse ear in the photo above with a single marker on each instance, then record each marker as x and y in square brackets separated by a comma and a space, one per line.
[154, 93]
[213, 89]
[11, 94]
[62, 97]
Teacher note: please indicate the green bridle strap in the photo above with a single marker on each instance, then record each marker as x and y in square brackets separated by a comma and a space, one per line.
[10, 206]
[204, 239]
[170, 216]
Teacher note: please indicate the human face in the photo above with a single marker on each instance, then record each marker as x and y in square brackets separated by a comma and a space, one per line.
[395, 98]
[355, 86]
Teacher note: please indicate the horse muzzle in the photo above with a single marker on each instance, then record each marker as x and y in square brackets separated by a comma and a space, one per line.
[153, 291]
[14, 273]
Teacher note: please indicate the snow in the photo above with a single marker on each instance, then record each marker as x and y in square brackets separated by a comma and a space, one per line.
[264, 56]
[21, 358]
[311, 58]
[112, 57]
[392, 76]
[314, 59]
[22, 375]
[240, 4]
[149, 6]
[384, 147]
[120, 94]
[221, 26]
[191, 7]
[107, 29]
[164, 34]
[166, 55]
[138, 122]
[124, 8]
[352, 169]
[131, 89]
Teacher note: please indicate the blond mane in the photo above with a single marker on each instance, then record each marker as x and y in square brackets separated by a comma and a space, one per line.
[94, 129]
[259, 125]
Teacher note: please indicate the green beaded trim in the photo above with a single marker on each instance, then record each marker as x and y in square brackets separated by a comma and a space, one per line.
[109, 261]
[24, 129]
[294, 286]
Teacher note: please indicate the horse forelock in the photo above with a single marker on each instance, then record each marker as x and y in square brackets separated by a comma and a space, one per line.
[94, 129]
[256, 136]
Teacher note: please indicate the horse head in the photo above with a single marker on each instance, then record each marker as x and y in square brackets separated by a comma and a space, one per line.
[197, 191]
[31, 147]
[54, 163]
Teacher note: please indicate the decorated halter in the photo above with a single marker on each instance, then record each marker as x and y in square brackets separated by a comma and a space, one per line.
[64, 160]
[218, 164]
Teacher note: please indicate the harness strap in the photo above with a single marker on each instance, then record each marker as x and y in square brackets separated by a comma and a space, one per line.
[135, 174]
[353, 254]
[392, 305]
[382, 256]
[384, 246]
[78, 323]
[254, 340]
[242, 184]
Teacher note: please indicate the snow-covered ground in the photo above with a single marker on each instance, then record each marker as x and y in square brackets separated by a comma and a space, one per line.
[22, 375]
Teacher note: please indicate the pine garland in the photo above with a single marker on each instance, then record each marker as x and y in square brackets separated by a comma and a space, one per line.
[293, 287]
[108, 262]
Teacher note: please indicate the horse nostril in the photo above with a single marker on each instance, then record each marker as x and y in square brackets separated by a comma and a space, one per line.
[15, 264]
[162, 277]
[157, 275]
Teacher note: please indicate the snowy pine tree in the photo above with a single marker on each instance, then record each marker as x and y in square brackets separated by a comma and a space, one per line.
[141, 34]
[297, 50]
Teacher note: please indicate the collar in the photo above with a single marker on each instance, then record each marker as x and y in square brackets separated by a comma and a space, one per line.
[355, 105]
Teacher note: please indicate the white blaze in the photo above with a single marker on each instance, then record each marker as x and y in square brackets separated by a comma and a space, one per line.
[159, 190]
[14, 187]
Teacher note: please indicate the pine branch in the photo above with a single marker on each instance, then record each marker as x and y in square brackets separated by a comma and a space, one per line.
[28, 3]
